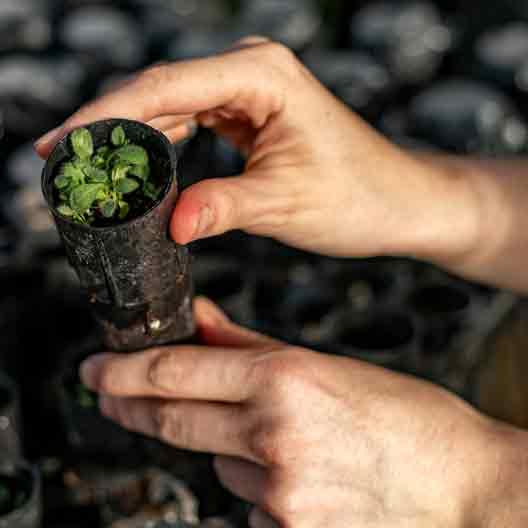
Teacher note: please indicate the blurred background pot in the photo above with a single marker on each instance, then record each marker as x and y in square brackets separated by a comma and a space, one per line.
[20, 495]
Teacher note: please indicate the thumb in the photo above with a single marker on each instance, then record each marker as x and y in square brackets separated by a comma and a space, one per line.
[255, 203]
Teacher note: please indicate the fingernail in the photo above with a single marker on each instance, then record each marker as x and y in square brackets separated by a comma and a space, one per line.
[51, 136]
[161, 373]
[205, 221]
[90, 370]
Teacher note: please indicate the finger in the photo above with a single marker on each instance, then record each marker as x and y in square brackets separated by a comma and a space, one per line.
[217, 330]
[170, 121]
[179, 133]
[260, 519]
[255, 203]
[181, 88]
[179, 372]
[206, 427]
[250, 40]
[245, 479]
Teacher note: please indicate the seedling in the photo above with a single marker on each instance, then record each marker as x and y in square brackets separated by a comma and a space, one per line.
[104, 183]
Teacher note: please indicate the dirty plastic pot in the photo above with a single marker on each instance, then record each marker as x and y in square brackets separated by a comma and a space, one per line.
[10, 423]
[137, 279]
[409, 37]
[468, 117]
[20, 490]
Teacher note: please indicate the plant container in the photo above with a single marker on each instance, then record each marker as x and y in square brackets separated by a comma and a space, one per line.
[137, 279]
[20, 495]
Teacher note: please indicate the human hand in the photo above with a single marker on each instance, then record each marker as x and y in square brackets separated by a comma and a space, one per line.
[317, 177]
[315, 440]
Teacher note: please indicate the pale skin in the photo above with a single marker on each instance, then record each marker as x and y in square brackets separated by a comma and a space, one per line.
[314, 440]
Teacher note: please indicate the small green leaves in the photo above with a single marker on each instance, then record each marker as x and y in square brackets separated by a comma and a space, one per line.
[94, 183]
[82, 197]
[95, 175]
[126, 185]
[61, 181]
[82, 144]
[108, 208]
[140, 171]
[132, 154]
[65, 210]
[123, 209]
[118, 136]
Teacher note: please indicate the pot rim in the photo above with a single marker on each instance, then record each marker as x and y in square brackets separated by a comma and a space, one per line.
[48, 172]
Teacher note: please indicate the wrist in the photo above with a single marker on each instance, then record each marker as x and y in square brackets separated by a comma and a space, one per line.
[446, 224]
[501, 486]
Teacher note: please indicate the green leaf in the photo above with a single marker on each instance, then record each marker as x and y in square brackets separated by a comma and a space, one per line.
[65, 210]
[108, 208]
[140, 171]
[126, 185]
[82, 143]
[72, 171]
[151, 191]
[119, 172]
[133, 154]
[82, 197]
[62, 181]
[96, 175]
[123, 209]
[118, 136]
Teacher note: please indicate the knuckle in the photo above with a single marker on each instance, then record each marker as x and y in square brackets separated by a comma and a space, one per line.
[270, 442]
[171, 426]
[154, 75]
[283, 501]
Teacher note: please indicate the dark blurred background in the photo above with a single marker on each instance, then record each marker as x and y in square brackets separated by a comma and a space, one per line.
[446, 75]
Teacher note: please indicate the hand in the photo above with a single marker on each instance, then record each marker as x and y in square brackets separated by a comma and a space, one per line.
[317, 177]
[316, 440]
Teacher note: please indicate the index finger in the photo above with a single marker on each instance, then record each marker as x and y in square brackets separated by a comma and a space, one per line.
[178, 372]
[187, 87]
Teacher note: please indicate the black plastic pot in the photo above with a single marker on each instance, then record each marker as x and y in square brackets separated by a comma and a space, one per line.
[137, 279]
[386, 338]
[356, 78]
[24, 25]
[410, 37]
[225, 281]
[468, 117]
[105, 36]
[87, 432]
[10, 425]
[295, 23]
[500, 54]
[20, 485]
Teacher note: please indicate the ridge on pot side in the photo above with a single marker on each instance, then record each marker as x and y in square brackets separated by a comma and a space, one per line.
[137, 279]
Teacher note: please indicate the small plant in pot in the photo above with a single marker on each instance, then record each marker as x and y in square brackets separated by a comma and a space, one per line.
[111, 187]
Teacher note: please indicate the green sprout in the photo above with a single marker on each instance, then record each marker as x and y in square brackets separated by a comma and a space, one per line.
[97, 183]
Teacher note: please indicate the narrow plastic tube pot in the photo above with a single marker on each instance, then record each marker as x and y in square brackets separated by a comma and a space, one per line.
[137, 279]
[9, 417]
[21, 495]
